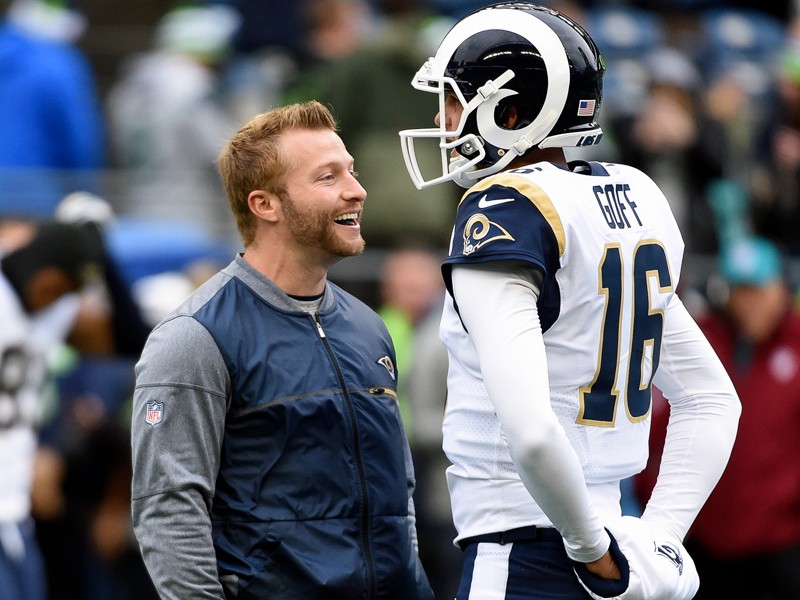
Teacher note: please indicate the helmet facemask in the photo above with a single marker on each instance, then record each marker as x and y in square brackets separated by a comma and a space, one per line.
[453, 167]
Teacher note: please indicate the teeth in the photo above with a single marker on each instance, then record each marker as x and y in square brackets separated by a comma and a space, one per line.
[347, 217]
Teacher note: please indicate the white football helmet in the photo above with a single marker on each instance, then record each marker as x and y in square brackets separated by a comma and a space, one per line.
[512, 54]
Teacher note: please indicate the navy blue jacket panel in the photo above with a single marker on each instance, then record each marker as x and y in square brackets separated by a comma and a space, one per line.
[312, 494]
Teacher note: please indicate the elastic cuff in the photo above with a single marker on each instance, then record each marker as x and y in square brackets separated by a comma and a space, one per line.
[606, 588]
[581, 554]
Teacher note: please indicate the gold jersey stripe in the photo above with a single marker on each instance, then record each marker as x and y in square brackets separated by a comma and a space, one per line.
[535, 194]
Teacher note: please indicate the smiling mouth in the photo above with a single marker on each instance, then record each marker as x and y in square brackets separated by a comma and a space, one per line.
[349, 219]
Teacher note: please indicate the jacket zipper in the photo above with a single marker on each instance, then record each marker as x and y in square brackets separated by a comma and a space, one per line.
[357, 450]
[377, 391]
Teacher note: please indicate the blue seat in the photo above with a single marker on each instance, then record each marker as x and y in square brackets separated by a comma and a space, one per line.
[736, 36]
[748, 33]
[624, 31]
[624, 35]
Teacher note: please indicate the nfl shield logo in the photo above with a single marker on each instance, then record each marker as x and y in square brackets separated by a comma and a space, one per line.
[155, 412]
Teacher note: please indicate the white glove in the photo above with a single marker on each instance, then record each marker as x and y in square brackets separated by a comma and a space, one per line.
[654, 564]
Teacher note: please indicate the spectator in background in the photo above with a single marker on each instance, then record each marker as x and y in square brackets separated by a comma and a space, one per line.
[413, 294]
[746, 539]
[337, 28]
[39, 308]
[427, 394]
[52, 138]
[129, 330]
[369, 92]
[776, 188]
[410, 287]
[670, 139]
[81, 484]
[168, 122]
[335, 31]
[269, 49]
[739, 98]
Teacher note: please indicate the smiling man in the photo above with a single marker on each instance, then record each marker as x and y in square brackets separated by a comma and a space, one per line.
[269, 456]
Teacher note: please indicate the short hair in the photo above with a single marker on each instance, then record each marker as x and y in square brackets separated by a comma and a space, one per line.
[251, 160]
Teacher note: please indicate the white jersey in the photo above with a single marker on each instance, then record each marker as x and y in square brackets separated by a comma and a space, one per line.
[610, 253]
[24, 342]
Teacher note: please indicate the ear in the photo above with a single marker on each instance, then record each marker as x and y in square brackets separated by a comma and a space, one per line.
[510, 117]
[264, 205]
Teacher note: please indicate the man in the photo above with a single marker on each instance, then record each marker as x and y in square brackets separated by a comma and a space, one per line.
[269, 457]
[53, 139]
[562, 314]
[409, 288]
[167, 119]
[42, 268]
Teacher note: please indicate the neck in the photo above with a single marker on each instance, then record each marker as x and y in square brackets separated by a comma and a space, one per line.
[553, 155]
[295, 276]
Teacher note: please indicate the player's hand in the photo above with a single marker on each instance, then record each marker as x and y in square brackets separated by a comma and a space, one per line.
[604, 567]
[653, 565]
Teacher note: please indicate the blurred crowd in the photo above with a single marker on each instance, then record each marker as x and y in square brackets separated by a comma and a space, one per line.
[703, 95]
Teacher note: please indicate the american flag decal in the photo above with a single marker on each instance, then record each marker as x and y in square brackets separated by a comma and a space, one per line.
[586, 108]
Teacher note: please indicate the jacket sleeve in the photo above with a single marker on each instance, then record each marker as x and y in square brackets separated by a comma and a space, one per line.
[178, 420]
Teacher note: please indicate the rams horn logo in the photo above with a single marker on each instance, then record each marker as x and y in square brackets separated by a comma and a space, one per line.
[479, 231]
[388, 364]
[671, 553]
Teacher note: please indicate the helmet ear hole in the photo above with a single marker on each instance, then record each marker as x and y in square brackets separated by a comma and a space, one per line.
[504, 114]
[512, 114]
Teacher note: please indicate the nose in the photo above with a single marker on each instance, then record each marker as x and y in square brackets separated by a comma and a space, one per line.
[355, 191]
[438, 119]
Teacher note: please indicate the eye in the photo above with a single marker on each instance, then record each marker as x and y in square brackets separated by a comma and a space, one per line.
[354, 173]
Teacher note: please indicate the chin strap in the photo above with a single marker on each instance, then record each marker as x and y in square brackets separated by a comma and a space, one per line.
[522, 145]
[488, 89]
[467, 178]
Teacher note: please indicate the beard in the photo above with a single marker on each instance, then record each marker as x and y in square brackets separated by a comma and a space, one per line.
[316, 229]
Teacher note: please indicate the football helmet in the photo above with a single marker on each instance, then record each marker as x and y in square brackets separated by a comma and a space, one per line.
[525, 75]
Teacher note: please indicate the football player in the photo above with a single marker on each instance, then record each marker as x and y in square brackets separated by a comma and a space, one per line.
[41, 275]
[562, 313]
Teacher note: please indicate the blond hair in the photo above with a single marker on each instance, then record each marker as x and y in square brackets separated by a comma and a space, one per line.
[252, 160]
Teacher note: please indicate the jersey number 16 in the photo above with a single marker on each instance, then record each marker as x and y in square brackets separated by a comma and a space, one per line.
[599, 398]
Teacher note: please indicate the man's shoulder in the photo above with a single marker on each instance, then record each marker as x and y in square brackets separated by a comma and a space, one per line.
[546, 174]
[348, 301]
[200, 296]
[358, 311]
